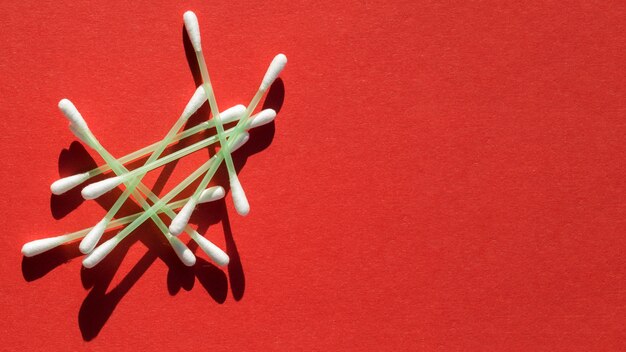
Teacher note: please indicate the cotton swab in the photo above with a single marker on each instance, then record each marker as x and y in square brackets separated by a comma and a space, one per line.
[212, 164]
[72, 114]
[67, 183]
[42, 245]
[97, 189]
[276, 66]
[237, 192]
[229, 115]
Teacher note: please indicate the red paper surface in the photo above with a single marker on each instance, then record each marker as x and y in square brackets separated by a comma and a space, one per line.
[439, 176]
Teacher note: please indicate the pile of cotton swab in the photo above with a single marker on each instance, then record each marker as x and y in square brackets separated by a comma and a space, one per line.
[229, 141]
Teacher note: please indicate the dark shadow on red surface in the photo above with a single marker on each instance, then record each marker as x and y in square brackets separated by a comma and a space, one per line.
[36, 267]
[190, 54]
[100, 302]
[76, 159]
[212, 279]
[212, 213]
[72, 160]
[235, 268]
[275, 96]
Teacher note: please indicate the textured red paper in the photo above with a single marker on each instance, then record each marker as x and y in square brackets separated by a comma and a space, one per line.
[439, 177]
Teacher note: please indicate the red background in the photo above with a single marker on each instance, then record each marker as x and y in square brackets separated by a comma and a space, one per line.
[439, 177]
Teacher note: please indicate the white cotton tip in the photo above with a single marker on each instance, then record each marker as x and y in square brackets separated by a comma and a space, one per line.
[96, 256]
[64, 184]
[97, 189]
[197, 99]
[239, 197]
[90, 241]
[39, 246]
[71, 113]
[183, 252]
[232, 114]
[273, 71]
[193, 29]
[214, 252]
[80, 134]
[263, 118]
[212, 194]
[182, 218]
[241, 140]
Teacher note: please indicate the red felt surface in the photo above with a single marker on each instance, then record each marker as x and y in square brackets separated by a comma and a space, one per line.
[439, 176]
